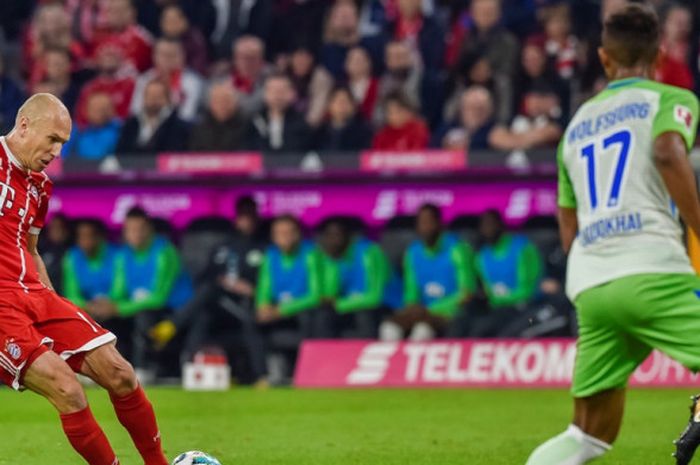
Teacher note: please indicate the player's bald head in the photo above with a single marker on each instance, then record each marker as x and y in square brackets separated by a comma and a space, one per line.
[631, 36]
[40, 106]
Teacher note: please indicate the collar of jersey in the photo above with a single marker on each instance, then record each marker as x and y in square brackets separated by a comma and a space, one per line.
[10, 155]
[624, 82]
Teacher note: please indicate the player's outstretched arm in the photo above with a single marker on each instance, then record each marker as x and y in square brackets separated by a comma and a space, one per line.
[671, 159]
[568, 227]
[32, 241]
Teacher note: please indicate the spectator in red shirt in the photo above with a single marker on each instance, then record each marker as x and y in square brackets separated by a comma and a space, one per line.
[186, 86]
[561, 45]
[364, 86]
[50, 29]
[120, 26]
[249, 72]
[421, 31]
[404, 129]
[113, 79]
[175, 25]
[672, 67]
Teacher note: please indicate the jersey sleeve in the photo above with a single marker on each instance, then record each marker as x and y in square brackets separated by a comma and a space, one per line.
[565, 197]
[678, 112]
[44, 197]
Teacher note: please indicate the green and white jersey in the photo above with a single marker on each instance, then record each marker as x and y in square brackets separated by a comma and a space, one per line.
[627, 222]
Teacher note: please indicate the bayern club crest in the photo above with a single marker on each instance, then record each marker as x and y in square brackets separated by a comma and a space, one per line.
[13, 349]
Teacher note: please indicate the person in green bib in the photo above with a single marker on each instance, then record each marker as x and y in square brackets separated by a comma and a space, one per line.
[89, 266]
[149, 283]
[289, 281]
[357, 282]
[438, 281]
[509, 268]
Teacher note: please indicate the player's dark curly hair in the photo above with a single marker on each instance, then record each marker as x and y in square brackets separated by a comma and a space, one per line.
[631, 36]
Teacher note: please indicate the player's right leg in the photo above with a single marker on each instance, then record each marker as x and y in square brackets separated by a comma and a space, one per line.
[49, 376]
[606, 357]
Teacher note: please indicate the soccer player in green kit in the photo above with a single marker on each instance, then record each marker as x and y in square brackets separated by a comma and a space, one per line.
[624, 175]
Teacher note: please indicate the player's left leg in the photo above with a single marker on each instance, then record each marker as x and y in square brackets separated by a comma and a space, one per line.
[109, 369]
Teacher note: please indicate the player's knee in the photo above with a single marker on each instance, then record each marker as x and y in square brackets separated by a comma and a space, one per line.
[67, 393]
[122, 380]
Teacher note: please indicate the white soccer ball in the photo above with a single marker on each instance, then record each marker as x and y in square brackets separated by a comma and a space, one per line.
[195, 457]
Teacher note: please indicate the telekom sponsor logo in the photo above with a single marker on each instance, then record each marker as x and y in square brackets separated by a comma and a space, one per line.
[229, 163]
[484, 363]
[425, 160]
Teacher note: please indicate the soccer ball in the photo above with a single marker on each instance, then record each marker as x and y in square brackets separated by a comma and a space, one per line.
[195, 457]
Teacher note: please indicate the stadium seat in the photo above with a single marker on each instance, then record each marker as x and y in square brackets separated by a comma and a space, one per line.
[398, 233]
[467, 228]
[199, 240]
[544, 233]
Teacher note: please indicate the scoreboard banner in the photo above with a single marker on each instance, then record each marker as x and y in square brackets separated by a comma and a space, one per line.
[539, 363]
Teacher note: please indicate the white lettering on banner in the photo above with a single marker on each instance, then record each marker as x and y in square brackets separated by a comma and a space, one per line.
[373, 363]
[481, 362]
[436, 363]
[412, 199]
[519, 203]
[163, 204]
[386, 205]
[294, 202]
[414, 353]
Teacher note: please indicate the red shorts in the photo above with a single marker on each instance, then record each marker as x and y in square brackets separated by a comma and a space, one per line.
[38, 321]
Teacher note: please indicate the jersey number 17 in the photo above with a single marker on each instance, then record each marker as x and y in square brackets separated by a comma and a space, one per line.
[623, 139]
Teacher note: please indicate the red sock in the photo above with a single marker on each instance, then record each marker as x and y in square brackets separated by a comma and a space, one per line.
[136, 414]
[87, 438]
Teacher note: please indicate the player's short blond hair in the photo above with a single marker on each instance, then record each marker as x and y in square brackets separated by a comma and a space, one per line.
[39, 106]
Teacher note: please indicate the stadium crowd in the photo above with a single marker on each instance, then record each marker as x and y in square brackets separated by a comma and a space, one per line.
[292, 75]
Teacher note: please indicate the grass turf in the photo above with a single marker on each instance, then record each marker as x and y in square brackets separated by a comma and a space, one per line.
[362, 427]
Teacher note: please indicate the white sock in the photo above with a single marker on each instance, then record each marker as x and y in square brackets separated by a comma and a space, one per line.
[422, 332]
[572, 447]
[390, 332]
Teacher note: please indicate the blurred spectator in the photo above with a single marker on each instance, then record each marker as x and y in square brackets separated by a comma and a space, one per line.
[289, 283]
[11, 98]
[149, 283]
[157, 127]
[186, 86]
[420, 31]
[341, 33]
[58, 78]
[677, 28]
[113, 78]
[50, 30]
[98, 137]
[509, 268]
[279, 127]
[356, 279]
[54, 244]
[89, 266]
[364, 86]
[119, 25]
[474, 125]
[235, 18]
[479, 72]
[86, 18]
[223, 126]
[561, 44]
[175, 25]
[249, 72]
[488, 35]
[438, 280]
[537, 73]
[224, 295]
[404, 129]
[312, 84]
[403, 73]
[201, 13]
[540, 111]
[344, 129]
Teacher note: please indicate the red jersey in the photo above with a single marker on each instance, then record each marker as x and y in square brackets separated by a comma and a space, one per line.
[24, 200]
[119, 89]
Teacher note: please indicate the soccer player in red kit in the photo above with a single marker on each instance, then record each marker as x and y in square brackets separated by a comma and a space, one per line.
[44, 339]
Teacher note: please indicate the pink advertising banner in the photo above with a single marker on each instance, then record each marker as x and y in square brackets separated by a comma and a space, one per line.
[415, 161]
[374, 203]
[545, 363]
[210, 163]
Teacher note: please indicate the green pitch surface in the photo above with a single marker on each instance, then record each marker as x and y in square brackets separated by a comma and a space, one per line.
[390, 427]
